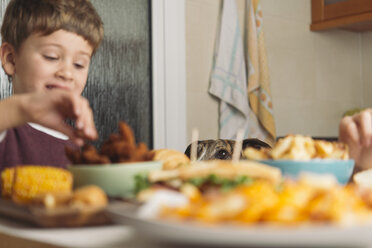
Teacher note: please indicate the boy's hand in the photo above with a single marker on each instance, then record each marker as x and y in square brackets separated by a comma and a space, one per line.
[52, 108]
[356, 132]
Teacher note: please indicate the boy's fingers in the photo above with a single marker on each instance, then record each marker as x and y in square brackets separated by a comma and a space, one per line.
[73, 109]
[87, 132]
[66, 129]
[76, 105]
[66, 103]
[91, 129]
[85, 123]
[79, 141]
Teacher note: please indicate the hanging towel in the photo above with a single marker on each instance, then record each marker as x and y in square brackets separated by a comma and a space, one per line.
[258, 73]
[229, 79]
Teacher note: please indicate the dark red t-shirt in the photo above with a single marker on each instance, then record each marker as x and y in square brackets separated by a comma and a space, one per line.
[25, 145]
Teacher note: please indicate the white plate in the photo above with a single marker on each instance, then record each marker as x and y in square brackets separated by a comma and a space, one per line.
[188, 234]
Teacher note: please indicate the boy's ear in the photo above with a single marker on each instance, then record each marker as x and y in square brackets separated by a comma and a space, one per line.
[7, 58]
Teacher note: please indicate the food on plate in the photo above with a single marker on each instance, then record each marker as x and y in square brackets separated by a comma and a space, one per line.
[87, 155]
[51, 200]
[90, 195]
[43, 195]
[84, 197]
[226, 169]
[49, 187]
[22, 184]
[262, 202]
[364, 181]
[206, 175]
[172, 159]
[299, 147]
[118, 148]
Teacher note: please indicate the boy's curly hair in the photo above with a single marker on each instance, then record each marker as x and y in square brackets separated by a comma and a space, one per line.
[25, 17]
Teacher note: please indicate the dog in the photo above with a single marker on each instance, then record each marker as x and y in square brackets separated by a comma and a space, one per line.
[222, 148]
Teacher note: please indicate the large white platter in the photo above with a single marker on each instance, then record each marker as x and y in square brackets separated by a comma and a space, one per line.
[233, 236]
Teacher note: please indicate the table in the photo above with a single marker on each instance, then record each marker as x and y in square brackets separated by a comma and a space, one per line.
[18, 235]
[15, 235]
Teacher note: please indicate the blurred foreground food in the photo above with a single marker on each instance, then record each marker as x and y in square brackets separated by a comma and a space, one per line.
[308, 200]
[171, 159]
[48, 186]
[118, 148]
[299, 147]
[221, 174]
[23, 183]
[251, 193]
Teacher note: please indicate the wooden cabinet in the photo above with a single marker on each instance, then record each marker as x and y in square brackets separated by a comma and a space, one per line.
[353, 15]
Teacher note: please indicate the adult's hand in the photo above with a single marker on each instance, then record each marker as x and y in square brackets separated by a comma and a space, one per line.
[356, 132]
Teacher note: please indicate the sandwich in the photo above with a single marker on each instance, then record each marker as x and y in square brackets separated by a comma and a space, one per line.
[214, 174]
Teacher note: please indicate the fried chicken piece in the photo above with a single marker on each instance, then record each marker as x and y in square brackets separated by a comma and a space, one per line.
[113, 138]
[139, 153]
[90, 155]
[119, 147]
[149, 156]
[73, 155]
[127, 133]
[118, 151]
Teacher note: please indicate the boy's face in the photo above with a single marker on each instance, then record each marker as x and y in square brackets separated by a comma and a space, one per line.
[59, 60]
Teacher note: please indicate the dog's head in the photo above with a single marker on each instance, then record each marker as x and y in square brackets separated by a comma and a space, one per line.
[222, 148]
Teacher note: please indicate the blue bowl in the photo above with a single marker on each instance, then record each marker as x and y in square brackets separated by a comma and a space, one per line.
[341, 169]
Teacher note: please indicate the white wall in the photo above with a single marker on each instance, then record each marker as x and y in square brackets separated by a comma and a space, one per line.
[315, 76]
[201, 26]
[366, 52]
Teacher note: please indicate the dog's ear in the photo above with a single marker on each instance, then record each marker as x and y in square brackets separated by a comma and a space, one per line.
[255, 143]
[188, 151]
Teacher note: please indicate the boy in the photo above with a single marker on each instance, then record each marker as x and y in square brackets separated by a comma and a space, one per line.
[46, 50]
[356, 131]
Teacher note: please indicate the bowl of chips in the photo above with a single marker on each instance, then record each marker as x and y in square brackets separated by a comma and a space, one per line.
[295, 154]
[340, 169]
[117, 180]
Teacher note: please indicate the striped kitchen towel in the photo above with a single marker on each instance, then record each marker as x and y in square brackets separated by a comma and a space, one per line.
[258, 72]
[229, 79]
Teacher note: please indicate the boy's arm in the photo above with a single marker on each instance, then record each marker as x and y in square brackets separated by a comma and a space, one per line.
[10, 114]
[50, 109]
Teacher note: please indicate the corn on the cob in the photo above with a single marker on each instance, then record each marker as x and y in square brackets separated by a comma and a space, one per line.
[7, 182]
[23, 183]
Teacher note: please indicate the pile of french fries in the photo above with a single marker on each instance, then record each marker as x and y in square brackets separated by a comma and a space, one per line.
[311, 199]
[299, 147]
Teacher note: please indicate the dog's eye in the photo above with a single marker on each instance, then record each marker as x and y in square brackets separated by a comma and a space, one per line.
[222, 154]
